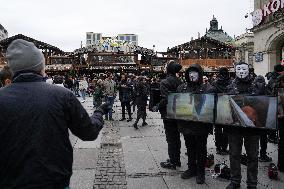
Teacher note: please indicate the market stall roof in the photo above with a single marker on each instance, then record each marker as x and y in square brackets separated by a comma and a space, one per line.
[199, 43]
[39, 44]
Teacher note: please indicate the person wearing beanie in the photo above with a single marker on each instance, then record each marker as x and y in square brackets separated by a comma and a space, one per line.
[167, 86]
[219, 86]
[35, 118]
[243, 85]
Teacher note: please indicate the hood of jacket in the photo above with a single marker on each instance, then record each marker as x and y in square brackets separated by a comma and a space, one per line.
[173, 68]
[194, 67]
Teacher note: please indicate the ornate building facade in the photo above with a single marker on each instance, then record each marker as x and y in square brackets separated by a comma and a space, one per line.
[268, 21]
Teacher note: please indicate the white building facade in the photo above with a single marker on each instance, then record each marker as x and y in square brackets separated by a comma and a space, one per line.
[245, 48]
[268, 21]
[121, 42]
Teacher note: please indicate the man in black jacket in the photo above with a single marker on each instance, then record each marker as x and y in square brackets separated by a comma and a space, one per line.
[243, 84]
[220, 85]
[34, 121]
[167, 86]
[125, 90]
[195, 133]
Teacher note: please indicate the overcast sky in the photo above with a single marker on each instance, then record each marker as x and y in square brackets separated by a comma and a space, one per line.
[163, 23]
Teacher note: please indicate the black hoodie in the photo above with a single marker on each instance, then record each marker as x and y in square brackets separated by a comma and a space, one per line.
[169, 85]
[193, 127]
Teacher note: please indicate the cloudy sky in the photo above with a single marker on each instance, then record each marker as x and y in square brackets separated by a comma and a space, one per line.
[163, 23]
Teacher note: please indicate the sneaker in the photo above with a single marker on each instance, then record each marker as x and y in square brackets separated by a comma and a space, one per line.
[111, 119]
[265, 158]
[144, 124]
[122, 119]
[178, 164]
[233, 186]
[129, 119]
[82, 101]
[200, 179]
[188, 174]
[168, 165]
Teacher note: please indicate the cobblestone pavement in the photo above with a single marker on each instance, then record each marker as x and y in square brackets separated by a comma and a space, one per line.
[123, 157]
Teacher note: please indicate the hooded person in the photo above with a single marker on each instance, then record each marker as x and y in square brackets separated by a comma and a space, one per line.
[219, 86]
[36, 151]
[141, 97]
[167, 86]
[195, 133]
[243, 85]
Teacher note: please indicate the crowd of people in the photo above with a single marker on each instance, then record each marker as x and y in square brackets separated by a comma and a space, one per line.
[40, 109]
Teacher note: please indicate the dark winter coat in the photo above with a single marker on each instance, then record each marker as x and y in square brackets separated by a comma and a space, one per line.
[141, 94]
[155, 95]
[271, 85]
[34, 140]
[125, 92]
[259, 85]
[193, 127]
[220, 84]
[169, 85]
[242, 87]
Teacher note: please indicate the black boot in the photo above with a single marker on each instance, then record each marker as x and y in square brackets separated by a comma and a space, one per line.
[200, 179]
[168, 165]
[129, 119]
[144, 123]
[135, 125]
[122, 119]
[188, 174]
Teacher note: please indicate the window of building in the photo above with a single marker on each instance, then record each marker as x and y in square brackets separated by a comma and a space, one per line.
[89, 36]
[121, 37]
[134, 38]
[127, 38]
[98, 36]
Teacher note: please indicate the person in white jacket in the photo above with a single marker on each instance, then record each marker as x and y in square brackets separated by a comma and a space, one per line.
[83, 86]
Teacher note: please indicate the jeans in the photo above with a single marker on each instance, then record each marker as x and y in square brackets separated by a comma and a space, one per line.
[173, 140]
[197, 152]
[110, 99]
[251, 144]
[83, 94]
[127, 105]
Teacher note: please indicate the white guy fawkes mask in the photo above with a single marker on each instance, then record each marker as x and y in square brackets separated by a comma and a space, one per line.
[242, 71]
[193, 76]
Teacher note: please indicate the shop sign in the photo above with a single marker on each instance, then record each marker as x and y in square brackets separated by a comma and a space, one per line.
[267, 9]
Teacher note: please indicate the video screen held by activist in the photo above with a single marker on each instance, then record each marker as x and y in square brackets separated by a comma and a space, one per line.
[192, 107]
[247, 111]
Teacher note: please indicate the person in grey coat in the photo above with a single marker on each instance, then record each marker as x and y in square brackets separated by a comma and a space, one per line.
[35, 120]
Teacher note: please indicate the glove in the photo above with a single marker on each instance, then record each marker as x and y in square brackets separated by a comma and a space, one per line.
[105, 107]
[155, 108]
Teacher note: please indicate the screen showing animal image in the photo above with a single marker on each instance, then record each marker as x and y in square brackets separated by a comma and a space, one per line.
[191, 107]
[281, 102]
[247, 111]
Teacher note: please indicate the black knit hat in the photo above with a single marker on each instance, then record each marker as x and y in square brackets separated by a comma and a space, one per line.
[279, 68]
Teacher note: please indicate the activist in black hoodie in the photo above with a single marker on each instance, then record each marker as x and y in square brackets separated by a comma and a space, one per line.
[195, 133]
[219, 86]
[167, 86]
